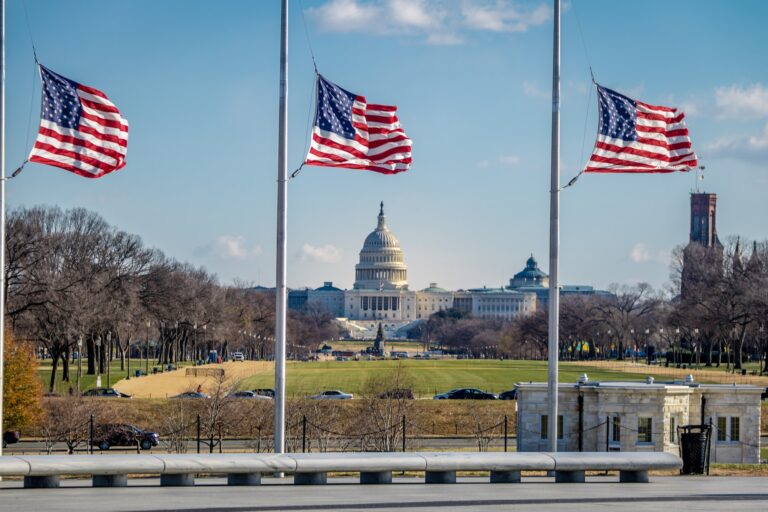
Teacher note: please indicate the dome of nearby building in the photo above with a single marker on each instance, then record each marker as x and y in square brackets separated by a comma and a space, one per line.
[381, 260]
[433, 288]
[530, 276]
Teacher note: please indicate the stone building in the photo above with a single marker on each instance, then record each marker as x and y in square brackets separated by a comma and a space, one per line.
[642, 416]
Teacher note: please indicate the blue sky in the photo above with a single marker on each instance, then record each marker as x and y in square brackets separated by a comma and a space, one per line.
[198, 81]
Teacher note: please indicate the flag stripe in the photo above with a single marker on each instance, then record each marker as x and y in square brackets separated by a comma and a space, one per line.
[638, 137]
[352, 134]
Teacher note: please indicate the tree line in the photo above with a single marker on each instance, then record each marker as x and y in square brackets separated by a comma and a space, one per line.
[74, 283]
[714, 311]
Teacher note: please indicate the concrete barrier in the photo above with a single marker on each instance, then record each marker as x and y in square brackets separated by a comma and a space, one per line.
[313, 468]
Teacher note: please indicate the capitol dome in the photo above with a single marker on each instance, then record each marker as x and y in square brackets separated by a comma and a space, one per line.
[381, 260]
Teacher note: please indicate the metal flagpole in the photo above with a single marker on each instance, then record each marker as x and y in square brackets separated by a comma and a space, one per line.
[282, 227]
[554, 239]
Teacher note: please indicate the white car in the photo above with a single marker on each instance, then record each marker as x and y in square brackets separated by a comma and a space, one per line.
[333, 394]
[238, 356]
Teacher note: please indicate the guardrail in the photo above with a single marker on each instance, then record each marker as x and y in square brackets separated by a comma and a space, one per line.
[44, 471]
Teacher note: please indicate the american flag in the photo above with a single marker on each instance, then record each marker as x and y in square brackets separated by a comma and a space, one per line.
[80, 129]
[638, 137]
[351, 133]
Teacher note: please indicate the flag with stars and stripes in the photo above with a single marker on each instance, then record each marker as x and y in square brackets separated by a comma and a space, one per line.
[349, 132]
[637, 137]
[80, 129]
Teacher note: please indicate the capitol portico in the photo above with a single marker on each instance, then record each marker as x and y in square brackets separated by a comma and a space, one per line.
[380, 293]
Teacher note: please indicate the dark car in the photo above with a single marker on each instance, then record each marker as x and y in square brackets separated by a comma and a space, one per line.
[105, 393]
[191, 394]
[466, 394]
[508, 395]
[10, 437]
[397, 394]
[116, 434]
[265, 392]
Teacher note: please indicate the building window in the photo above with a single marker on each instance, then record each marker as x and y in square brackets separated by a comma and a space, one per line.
[673, 429]
[616, 430]
[545, 426]
[728, 429]
[645, 430]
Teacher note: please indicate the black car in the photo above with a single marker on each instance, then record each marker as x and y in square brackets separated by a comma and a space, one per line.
[466, 394]
[508, 395]
[105, 393]
[265, 392]
[10, 437]
[111, 434]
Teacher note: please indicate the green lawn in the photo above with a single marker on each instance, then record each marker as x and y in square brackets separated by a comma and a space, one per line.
[89, 381]
[429, 377]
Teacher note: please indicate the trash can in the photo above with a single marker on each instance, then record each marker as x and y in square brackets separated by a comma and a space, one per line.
[137, 373]
[694, 448]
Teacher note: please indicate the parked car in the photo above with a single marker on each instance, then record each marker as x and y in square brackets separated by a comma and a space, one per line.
[266, 392]
[105, 393]
[248, 394]
[398, 394]
[191, 394]
[509, 395]
[10, 437]
[118, 434]
[466, 394]
[238, 356]
[333, 394]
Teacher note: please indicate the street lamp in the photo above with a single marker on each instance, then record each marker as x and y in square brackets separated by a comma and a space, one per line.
[109, 354]
[98, 361]
[79, 361]
[146, 351]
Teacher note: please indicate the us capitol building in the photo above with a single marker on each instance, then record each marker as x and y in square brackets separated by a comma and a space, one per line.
[381, 295]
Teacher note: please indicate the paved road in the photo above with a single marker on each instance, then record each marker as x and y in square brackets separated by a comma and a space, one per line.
[470, 494]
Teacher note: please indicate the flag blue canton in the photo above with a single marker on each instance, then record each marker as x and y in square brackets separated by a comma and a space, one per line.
[334, 112]
[61, 104]
[618, 115]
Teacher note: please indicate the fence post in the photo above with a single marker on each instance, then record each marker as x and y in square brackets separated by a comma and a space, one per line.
[505, 432]
[607, 432]
[90, 434]
[198, 433]
[404, 432]
[304, 434]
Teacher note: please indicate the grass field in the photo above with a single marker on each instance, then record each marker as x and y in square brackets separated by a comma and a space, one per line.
[428, 376]
[89, 381]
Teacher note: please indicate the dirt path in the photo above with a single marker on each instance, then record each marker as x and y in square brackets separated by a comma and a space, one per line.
[657, 371]
[168, 384]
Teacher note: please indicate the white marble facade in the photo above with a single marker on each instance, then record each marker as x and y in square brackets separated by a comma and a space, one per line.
[637, 416]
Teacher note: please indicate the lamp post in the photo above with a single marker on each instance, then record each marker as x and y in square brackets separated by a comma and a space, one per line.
[98, 361]
[109, 354]
[146, 347]
[194, 343]
[79, 361]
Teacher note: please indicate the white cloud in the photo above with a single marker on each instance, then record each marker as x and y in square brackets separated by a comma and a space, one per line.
[740, 102]
[502, 16]
[436, 21]
[345, 16]
[509, 160]
[234, 247]
[534, 90]
[413, 13]
[501, 161]
[745, 147]
[640, 253]
[324, 254]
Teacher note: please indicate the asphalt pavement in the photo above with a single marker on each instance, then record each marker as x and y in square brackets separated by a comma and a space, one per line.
[743, 494]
